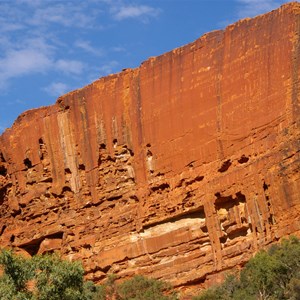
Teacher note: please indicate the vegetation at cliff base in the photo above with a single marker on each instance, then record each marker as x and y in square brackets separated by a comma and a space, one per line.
[41, 278]
[269, 275]
[137, 288]
[48, 277]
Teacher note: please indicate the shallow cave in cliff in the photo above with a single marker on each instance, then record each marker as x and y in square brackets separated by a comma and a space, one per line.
[243, 159]
[33, 246]
[225, 166]
[228, 202]
[102, 146]
[3, 229]
[4, 190]
[2, 159]
[3, 171]
[68, 171]
[161, 187]
[81, 167]
[27, 163]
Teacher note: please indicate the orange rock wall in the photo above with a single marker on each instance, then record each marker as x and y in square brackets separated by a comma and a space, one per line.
[179, 169]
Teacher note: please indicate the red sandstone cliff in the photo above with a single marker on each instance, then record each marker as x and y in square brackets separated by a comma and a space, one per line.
[179, 169]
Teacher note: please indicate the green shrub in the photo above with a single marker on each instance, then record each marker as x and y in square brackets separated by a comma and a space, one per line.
[40, 278]
[142, 288]
[48, 277]
[272, 275]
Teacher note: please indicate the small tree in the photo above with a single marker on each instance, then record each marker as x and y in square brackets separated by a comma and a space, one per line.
[223, 291]
[259, 278]
[48, 277]
[40, 278]
[17, 272]
[58, 279]
[142, 288]
[269, 275]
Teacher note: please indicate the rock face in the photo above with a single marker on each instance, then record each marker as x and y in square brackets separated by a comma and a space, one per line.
[179, 169]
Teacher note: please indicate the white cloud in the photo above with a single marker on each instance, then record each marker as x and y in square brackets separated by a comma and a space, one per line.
[37, 36]
[31, 2]
[16, 102]
[32, 37]
[5, 43]
[108, 68]
[11, 18]
[29, 56]
[38, 43]
[57, 89]
[33, 56]
[142, 12]
[22, 62]
[7, 27]
[251, 8]
[118, 49]
[66, 66]
[87, 47]
[41, 14]
[65, 14]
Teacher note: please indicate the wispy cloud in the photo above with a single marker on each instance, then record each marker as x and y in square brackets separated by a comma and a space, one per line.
[105, 68]
[30, 41]
[39, 36]
[21, 62]
[57, 89]
[34, 56]
[7, 27]
[64, 14]
[11, 18]
[118, 49]
[141, 12]
[73, 67]
[31, 2]
[15, 102]
[16, 14]
[87, 47]
[108, 67]
[251, 8]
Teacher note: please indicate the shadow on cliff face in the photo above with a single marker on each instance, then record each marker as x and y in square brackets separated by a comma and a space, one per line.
[34, 245]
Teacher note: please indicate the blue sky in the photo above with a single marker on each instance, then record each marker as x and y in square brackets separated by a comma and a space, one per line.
[50, 47]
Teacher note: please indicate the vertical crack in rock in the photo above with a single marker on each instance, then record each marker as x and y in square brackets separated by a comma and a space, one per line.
[220, 58]
[295, 67]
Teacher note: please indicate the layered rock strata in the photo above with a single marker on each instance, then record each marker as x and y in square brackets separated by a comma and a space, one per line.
[179, 169]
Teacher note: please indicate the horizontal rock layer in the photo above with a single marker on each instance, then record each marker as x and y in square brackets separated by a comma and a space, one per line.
[179, 169]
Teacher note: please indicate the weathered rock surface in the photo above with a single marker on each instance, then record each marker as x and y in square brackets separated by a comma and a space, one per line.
[179, 169]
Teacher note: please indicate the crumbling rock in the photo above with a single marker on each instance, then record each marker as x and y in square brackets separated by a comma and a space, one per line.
[179, 169]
